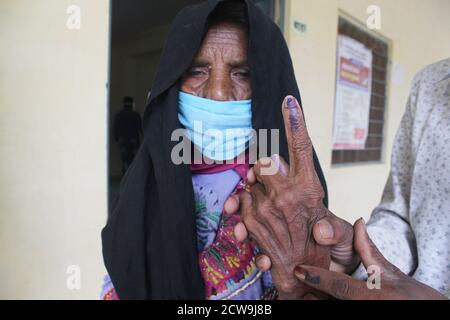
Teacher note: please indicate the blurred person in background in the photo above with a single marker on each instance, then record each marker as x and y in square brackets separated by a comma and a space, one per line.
[127, 132]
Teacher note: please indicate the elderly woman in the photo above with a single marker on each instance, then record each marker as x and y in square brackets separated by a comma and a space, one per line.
[227, 66]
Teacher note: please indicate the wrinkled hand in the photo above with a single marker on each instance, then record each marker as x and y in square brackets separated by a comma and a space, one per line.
[392, 283]
[279, 212]
[329, 230]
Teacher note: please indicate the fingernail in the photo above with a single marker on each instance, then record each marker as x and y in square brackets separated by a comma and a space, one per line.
[304, 275]
[294, 114]
[300, 273]
[291, 103]
[276, 159]
[249, 175]
[264, 161]
[262, 262]
[325, 229]
[363, 222]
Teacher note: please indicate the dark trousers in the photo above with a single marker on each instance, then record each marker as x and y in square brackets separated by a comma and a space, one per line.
[128, 149]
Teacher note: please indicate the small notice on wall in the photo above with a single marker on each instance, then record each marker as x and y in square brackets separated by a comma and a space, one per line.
[353, 92]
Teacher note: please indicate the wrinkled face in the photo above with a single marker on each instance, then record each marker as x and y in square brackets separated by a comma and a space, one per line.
[220, 70]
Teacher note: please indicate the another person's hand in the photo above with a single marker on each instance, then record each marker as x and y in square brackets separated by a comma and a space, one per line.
[280, 211]
[392, 284]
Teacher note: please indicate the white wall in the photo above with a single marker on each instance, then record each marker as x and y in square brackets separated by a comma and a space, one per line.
[53, 124]
[419, 32]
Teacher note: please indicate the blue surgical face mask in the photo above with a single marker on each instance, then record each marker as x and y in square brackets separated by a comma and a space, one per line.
[221, 130]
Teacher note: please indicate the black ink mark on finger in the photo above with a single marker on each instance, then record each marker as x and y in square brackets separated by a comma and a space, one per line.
[311, 279]
[294, 114]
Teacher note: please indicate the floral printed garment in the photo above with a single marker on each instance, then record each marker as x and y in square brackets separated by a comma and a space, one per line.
[227, 266]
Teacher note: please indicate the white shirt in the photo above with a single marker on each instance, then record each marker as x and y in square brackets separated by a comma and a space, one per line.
[411, 225]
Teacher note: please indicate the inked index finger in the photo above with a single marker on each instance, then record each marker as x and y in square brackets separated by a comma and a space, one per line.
[299, 143]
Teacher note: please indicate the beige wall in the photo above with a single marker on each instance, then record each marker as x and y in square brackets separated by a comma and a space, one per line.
[419, 32]
[53, 147]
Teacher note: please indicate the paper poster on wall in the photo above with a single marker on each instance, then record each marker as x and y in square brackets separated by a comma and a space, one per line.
[353, 92]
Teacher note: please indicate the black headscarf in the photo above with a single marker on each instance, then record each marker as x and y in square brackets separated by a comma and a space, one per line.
[149, 242]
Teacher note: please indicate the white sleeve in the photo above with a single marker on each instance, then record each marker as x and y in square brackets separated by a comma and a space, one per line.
[389, 225]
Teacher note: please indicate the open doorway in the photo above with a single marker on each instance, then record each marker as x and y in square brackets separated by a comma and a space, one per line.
[138, 32]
